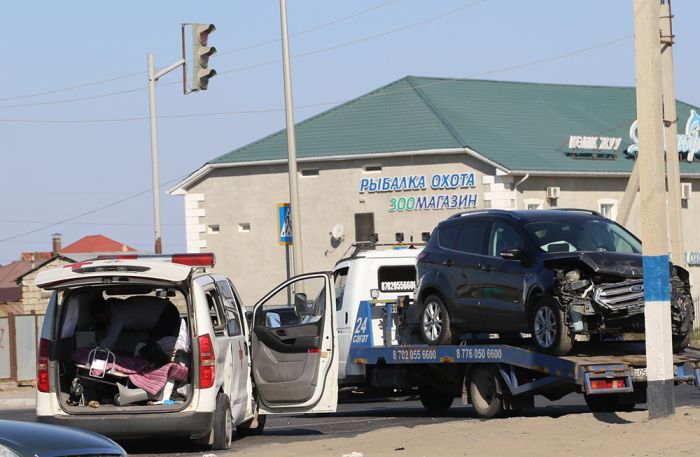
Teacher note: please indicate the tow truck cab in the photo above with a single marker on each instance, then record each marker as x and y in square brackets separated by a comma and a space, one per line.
[371, 272]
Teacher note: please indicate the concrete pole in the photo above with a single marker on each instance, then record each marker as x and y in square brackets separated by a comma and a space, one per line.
[291, 147]
[154, 152]
[630, 193]
[657, 288]
[673, 175]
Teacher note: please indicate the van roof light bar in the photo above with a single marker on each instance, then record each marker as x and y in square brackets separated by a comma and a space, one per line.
[204, 259]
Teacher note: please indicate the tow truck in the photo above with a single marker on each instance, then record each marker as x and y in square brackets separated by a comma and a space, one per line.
[500, 378]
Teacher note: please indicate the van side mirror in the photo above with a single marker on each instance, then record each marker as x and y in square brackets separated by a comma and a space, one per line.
[512, 254]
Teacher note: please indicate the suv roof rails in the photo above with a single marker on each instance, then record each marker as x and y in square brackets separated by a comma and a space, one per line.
[580, 210]
[503, 212]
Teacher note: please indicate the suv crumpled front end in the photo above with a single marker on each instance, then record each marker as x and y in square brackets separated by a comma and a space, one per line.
[603, 293]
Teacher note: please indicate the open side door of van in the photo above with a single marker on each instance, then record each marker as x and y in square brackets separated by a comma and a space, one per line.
[293, 347]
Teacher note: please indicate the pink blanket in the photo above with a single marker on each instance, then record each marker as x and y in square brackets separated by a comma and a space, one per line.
[140, 372]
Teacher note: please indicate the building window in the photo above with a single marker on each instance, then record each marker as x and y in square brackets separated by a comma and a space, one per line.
[364, 226]
[534, 203]
[374, 168]
[213, 229]
[244, 227]
[608, 208]
[307, 172]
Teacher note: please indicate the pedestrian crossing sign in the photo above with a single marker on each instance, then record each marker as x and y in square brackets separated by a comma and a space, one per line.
[284, 216]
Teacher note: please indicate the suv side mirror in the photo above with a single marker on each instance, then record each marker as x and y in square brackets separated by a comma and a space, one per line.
[512, 254]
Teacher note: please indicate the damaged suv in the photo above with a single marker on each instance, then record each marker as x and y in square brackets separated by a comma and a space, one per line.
[554, 274]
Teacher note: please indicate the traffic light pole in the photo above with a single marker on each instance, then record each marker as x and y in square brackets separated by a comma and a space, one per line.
[153, 77]
[652, 186]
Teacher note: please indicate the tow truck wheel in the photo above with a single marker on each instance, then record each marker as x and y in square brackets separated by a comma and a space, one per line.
[484, 387]
[609, 403]
[435, 399]
[435, 322]
[681, 341]
[550, 332]
[223, 424]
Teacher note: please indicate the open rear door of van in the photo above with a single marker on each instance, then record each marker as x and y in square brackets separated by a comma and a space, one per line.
[293, 346]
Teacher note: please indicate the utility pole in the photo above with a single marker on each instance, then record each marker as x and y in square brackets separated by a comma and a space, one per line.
[201, 74]
[657, 288]
[673, 175]
[291, 147]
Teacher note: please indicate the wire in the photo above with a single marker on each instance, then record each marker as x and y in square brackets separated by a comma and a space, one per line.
[253, 46]
[79, 86]
[111, 224]
[86, 213]
[328, 103]
[313, 29]
[262, 64]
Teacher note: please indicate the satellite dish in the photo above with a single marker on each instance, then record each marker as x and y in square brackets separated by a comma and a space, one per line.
[338, 231]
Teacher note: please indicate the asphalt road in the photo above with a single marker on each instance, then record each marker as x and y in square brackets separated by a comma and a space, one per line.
[353, 419]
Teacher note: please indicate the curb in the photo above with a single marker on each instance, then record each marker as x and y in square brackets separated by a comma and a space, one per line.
[14, 403]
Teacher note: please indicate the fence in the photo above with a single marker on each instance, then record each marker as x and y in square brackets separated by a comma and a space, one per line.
[19, 335]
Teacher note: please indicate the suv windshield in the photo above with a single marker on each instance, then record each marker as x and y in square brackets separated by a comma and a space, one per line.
[582, 235]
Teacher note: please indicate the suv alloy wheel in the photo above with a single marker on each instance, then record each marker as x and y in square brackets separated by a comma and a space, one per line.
[435, 323]
[550, 332]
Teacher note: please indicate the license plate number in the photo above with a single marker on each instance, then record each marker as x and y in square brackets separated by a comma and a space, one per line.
[639, 373]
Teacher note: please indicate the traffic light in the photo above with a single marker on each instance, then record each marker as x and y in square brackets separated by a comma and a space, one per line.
[201, 73]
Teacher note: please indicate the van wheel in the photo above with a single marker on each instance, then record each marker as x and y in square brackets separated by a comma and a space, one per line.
[247, 430]
[223, 424]
[484, 387]
[435, 399]
[435, 321]
[550, 332]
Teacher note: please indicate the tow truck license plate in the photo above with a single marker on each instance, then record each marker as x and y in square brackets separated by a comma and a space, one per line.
[639, 373]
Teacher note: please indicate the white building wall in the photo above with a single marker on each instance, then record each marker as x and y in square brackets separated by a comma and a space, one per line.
[230, 197]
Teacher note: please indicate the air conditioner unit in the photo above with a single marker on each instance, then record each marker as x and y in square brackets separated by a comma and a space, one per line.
[553, 192]
[686, 190]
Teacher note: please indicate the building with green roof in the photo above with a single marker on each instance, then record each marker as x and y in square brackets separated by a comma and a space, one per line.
[475, 143]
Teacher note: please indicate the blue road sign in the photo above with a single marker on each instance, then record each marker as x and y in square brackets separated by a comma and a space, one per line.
[284, 217]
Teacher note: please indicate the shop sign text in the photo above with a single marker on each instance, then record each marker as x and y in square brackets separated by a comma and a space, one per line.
[417, 182]
[598, 143]
[688, 143]
[426, 203]
[440, 181]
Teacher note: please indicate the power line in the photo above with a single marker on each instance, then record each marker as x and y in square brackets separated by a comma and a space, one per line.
[262, 64]
[329, 103]
[245, 48]
[111, 224]
[86, 213]
[313, 29]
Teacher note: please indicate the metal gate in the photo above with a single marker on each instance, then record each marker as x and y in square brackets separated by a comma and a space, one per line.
[19, 336]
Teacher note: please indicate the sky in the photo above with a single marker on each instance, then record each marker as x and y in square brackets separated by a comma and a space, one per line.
[74, 129]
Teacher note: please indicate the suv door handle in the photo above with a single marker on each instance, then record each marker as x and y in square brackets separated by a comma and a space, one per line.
[448, 262]
[486, 267]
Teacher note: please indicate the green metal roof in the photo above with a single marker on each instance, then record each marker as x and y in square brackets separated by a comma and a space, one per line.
[521, 126]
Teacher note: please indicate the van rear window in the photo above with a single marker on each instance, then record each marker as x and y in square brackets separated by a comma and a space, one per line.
[400, 278]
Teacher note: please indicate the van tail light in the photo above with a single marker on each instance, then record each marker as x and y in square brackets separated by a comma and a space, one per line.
[42, 366]
[207, 362]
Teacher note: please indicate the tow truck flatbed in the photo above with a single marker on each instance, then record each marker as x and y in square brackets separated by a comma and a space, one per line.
[515, 372]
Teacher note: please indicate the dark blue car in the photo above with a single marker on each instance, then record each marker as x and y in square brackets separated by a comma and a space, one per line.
[29, 439]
